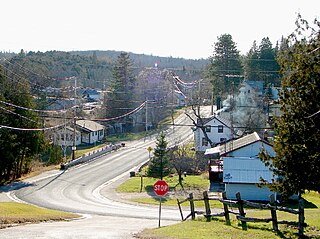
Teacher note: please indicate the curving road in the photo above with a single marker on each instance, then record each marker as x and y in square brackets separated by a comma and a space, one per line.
[88, 189]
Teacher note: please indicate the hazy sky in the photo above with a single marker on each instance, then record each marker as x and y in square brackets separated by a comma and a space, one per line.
[177, 28]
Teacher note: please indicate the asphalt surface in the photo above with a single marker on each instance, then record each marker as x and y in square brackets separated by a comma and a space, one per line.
[88, 189]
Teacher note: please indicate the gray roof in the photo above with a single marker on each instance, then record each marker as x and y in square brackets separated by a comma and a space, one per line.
[89, 125]
[235, 144]
[220, 119]
[256, 85]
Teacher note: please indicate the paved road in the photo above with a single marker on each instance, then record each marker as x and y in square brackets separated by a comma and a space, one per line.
[89, 189]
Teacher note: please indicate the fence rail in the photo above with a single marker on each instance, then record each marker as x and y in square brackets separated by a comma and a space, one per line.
[241, 215]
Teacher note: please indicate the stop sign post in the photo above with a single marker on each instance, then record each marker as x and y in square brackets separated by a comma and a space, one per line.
[160, 188]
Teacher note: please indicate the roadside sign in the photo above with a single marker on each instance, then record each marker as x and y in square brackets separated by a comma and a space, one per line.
[160, 188]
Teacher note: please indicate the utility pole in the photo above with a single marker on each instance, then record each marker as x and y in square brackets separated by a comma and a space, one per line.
[146, 115]
[74, 147]
[212, 102]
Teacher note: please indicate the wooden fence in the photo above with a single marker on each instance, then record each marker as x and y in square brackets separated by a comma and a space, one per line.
[241, 215]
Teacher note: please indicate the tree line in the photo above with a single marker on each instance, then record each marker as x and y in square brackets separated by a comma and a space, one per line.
[17, 148]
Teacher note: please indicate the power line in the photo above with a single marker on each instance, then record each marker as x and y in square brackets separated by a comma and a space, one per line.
[34, 129]
[21, 116]
[34, 110]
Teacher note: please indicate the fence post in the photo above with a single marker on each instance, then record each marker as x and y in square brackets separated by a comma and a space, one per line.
[181, 214]
[226, 210]
[207, 206]
[241, 210]
[301, 218]
[273, 213]
[193, 214]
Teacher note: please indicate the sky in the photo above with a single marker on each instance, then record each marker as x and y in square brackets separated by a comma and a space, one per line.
[177, 28]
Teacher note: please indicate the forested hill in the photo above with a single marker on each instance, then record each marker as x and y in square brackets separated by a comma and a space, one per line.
[142, 60]
[92, 68]
[187, 69]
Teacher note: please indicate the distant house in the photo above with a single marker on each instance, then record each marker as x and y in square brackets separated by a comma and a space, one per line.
[65, 137]
[91, 132]
[242, 168]
[252, 86]
[217, 129]
[90, 94]
[180, 98]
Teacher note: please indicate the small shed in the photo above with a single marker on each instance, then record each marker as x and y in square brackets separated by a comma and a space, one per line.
[243, 174]
[242, 168]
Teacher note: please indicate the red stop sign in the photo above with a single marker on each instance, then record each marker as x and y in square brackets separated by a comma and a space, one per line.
[160, 188]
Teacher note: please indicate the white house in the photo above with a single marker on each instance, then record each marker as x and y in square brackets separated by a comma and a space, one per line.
[217, 129]
[243, 169]
[253, 87]
[91, 132]
[64, 137]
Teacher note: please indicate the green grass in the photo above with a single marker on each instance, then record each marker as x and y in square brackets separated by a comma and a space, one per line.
[191, 183]
[14, 213]
[217, 228]
[204, 230]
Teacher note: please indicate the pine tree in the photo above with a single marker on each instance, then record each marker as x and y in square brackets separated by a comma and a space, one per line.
[252, 63]
[159, 163]
[297, 160]
[225, 65]
[261, 63]
[119, 100]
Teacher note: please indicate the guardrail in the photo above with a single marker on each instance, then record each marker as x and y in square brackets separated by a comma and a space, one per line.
[91, 155]
[241, 215]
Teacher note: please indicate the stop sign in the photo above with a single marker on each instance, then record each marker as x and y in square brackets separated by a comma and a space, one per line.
[160, 188]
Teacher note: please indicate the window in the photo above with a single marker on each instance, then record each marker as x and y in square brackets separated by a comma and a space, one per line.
[204, 142]
[223, 139]
[96, 133]
[220, 128]
[208, 128]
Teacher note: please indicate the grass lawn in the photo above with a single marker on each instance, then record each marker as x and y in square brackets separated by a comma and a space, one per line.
[217, 228]
[15, 213]
[190, 183]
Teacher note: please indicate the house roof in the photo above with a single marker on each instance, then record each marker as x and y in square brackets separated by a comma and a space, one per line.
[235, 144]
[220, 119]
[256, 85]
[89, 125]
[90, 92]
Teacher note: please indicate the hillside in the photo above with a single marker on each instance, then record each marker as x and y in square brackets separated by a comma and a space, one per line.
[92, 68]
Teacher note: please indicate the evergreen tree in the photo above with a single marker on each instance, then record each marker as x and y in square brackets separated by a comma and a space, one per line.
[120, 98]
[225, 67]
[17, 147]
[252, 67]
[159, 163]
[261, 63]
[297, 160]
[269, 67]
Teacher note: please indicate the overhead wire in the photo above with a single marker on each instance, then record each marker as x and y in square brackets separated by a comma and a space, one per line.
[21, 116]
[34, 129]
